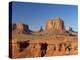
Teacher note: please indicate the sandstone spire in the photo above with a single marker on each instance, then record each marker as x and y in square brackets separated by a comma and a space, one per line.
[41, 29]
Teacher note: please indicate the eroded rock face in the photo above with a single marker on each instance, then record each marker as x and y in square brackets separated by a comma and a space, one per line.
[33, 49]
[55, 24]
[20, 28]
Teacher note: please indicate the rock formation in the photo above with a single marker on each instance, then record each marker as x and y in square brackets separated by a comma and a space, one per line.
[41, 29]
[21, 28]
[71, 31]
[55, 24]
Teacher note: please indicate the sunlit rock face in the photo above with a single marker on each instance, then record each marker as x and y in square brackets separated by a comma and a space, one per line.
[55, 24]
[19, 27]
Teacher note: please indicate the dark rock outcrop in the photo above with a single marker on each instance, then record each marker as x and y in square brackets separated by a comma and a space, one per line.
[41, 29]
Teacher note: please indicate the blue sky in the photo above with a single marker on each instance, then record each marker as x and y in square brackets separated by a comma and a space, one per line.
[36, 15]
